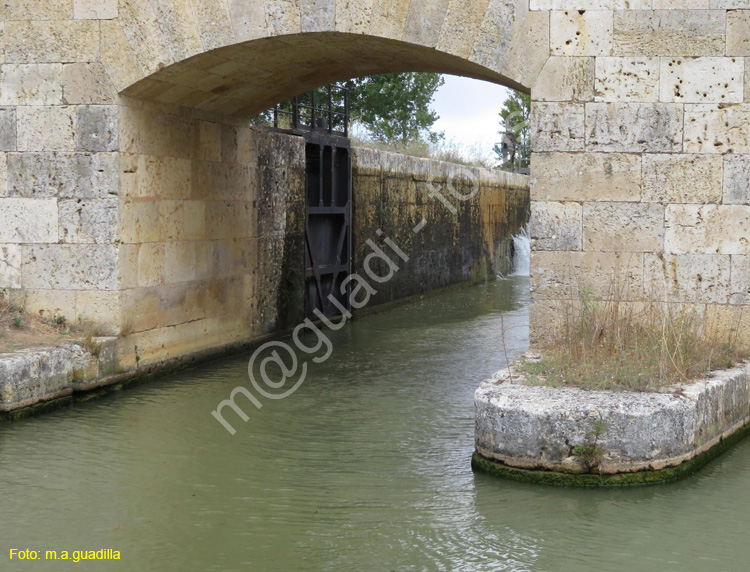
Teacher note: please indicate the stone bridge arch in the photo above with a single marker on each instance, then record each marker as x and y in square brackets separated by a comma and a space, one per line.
[111, 109]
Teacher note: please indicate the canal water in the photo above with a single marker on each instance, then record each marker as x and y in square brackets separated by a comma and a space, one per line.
[365, 467]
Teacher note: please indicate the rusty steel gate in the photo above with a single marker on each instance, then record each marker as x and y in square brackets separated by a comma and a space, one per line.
[328, 223]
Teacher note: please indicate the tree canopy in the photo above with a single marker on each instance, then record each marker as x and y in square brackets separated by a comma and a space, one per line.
[395, 108]
[515, 121]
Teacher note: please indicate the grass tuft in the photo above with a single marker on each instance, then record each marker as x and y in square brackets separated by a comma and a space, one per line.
[612, 344]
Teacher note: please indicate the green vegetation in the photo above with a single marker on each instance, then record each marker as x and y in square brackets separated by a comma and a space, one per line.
[611, 344]
[395, 107]
[590, 452]
[515, 126]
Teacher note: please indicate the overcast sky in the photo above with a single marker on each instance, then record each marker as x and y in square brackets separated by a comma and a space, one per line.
[468, 110]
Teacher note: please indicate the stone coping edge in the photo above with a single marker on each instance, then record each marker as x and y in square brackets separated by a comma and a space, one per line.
[639, 478]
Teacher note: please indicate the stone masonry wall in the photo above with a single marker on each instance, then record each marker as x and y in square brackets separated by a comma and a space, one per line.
[210, 210]
[641, 164]
[394, 192]
[641, 139]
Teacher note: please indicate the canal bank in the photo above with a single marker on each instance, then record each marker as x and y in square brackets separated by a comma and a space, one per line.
[576, 437]
[366, 466]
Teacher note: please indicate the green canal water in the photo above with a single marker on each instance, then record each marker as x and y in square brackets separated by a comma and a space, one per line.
[365, 467]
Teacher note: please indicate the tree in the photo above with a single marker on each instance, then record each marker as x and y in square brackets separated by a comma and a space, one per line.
[395, 108]
[514, 150]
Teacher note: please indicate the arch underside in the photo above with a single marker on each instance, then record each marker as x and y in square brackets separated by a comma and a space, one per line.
[244, 79]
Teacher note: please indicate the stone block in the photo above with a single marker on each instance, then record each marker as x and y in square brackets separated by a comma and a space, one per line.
[530, 50]
[494, 35]
[681, 4]
[86, 83]
[633, 127]
[31, 84]
[62, 175]
[28, 220]
[118, 57]
[139, 222]
[581, 33]
[51, 41]
[248, 20]
[669, 33]
[94, 9]
[70, 266]
[699, 278]
[283, 17]
[8, 129]
[179, 262]
[740, 283]
[36, 10]
[139, 22]
[48, 304]
[459, 28]
[565, 79]
[713, 128]
[708, 229]
[10, 266]
[585, 177]
[151, 264]
[424, 22]
[555, 226]
[633, 79]
[209, 141]
[178, 24]
[96, 128]
[151, 176]
[608, 275]
[45, 128]
[88, 220]
[682, 178]
[701, 80]
[736, 179]
[215, 23]
[100, 311]
[557, 127]
[623, 227]
[738, 32]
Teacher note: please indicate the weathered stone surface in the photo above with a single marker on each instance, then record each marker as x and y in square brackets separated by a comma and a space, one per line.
[97, 128]
[700, 80]
[51, 41]
[30, 84]
[8, 129]
[10, 266]
[538, 427]
[740, 283]
[118, 57]
[623, 227]
[28, 220]
[63, 175]
[70, 266]
[46, 128]
[633, 127]
[555, 226]
[581, 33]
[557, 127]
[180, 27]
[495, 35]
[528, 54]
[37, 10]
[688, 277]
[710, 229]
[94, 9]
[738, 32]
[563, 275]
[283, 17]
[711, 128]
[86, 83]
[566, 79]
[682, 178]
[736, 180]
[424, 22]
[627, 79]
[459, 29]
[88, 220]
[586, 177]
[669, 33]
